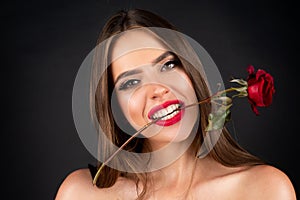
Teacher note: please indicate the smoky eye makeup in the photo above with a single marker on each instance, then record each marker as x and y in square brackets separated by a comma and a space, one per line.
[128, 84]
[130, 79]
[170, 63]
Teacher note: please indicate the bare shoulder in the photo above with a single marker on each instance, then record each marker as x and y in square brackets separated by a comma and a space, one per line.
[78, 185]
[267, 182]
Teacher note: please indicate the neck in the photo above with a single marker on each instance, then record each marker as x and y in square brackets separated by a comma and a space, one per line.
[179, 172]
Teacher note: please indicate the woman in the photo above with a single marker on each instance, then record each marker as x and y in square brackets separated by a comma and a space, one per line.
[147, 73]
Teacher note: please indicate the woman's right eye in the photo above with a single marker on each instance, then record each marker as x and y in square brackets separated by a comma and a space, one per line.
[129, 84]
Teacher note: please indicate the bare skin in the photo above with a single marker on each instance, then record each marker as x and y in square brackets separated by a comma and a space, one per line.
[186, 178]
[210, 181]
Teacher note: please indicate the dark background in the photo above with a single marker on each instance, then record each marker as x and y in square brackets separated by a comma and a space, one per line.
[45, 43]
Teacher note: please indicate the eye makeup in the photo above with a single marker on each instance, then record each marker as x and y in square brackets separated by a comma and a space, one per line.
[134, 77]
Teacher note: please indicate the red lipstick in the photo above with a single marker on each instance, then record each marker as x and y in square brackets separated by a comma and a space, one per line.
[167, 122]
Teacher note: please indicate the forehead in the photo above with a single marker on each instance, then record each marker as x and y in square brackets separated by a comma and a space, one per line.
[135, 49]
[134, 40]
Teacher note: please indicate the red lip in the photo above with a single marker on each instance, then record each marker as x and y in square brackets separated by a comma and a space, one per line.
[171, 121]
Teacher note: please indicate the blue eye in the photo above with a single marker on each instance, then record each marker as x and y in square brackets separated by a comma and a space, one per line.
[169, 65]
[129, 84]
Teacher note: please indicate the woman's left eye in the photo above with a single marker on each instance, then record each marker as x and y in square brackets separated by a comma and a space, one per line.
[169, 65]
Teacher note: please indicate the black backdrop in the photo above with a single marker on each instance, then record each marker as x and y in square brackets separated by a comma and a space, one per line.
[45, 43]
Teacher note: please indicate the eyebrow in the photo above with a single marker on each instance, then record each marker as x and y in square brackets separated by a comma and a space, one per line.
[137, 71]
[128, 73]
[162, 56]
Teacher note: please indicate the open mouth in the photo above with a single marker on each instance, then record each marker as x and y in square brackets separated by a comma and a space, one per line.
[167, 113]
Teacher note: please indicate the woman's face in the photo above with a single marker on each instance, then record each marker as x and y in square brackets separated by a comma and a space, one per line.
[150, 83]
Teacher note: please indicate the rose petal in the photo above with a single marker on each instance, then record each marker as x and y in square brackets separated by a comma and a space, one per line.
[260, 73]
[250, 69]
[255, 95]
[255, 109]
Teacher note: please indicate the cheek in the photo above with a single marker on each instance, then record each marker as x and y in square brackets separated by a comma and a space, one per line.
[187, 80]
[184, 85]
[133, 107]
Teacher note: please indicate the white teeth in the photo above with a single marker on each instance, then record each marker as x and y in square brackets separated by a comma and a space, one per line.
[166, 111]
[169, 109]
[170, 116]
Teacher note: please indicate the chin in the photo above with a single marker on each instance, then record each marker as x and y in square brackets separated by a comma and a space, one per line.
[175, 133]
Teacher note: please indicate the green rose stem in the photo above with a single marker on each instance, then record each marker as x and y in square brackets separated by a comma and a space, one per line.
[208, 98]
[121, 147]
[152, 122]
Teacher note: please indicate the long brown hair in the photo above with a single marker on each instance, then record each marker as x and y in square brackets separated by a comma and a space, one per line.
[226, 151]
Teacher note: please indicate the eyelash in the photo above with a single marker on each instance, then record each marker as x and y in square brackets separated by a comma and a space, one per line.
[171, 62]
[165, 67]
[128, 84]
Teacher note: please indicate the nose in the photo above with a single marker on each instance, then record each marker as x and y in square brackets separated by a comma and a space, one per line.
[157, 91]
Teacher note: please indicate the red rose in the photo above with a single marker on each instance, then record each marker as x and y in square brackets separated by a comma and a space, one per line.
[260, 88]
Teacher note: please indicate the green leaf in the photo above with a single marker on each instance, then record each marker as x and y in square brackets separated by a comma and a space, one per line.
[240, 89]
[218, 119]
[239, 81]
[241, 94]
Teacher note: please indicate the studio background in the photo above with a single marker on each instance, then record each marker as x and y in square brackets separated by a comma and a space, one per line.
[45, 43]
